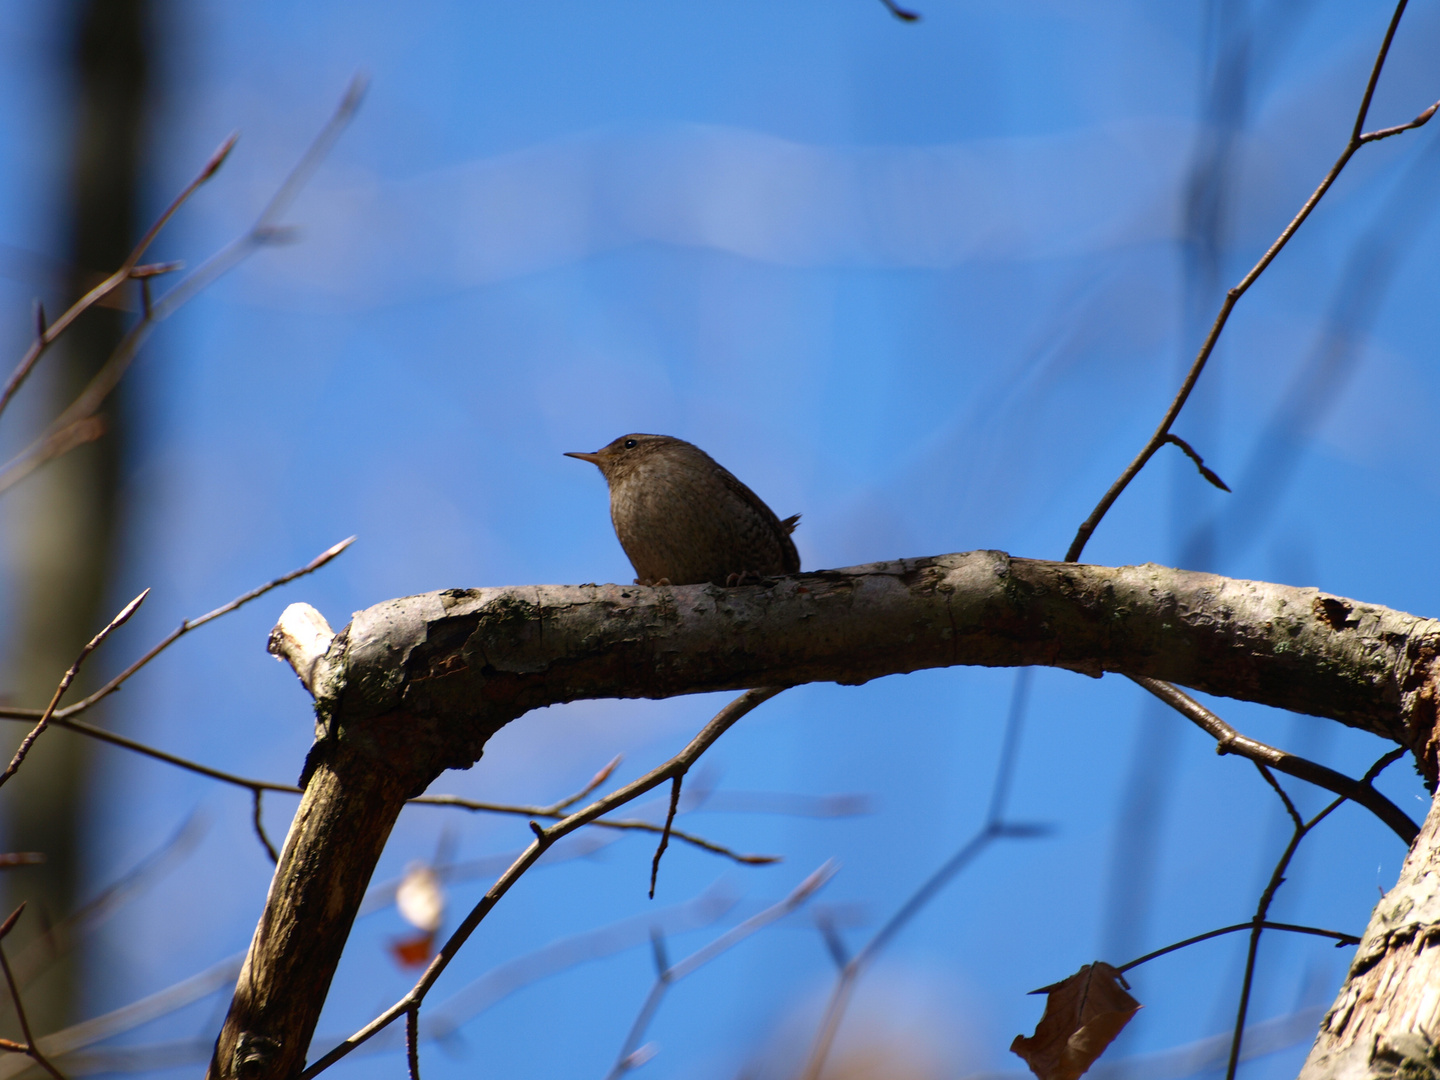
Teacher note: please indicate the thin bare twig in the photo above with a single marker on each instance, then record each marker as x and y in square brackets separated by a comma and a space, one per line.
[1385, 133]
[1339, 938]
[79, 727]
[180, 631]
[1190, 452]
[1230, 741]
[130, 268]
[65, 681]
[412, 1041]
[257, 794]
[544, 838]
[1257, 924]
[1357, 139]
[903, 14]
[30, 1050]
[595, 781]
[665, 833]
[263, 232]
[555, 811]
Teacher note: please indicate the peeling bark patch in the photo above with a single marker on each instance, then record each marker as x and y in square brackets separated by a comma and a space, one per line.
[440, 666]
[1420, 707]
[453, 598]
[1334, 612]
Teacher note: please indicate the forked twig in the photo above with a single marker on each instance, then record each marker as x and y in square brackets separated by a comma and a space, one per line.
[29, 1049]
[130, 268]
[179, 632]
[1358, 138]
[264, 231]
[1230, 741]
[544, 838]
[1257, 924]
[65, 681]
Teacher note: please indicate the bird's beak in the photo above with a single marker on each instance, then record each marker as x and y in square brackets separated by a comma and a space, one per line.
[594, 459]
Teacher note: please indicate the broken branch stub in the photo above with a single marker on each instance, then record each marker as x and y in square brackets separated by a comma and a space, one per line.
[301, 638]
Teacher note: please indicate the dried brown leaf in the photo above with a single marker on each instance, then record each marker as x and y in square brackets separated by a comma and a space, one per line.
[1083, 1015]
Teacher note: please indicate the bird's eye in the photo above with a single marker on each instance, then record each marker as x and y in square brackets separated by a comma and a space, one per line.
[629, 444]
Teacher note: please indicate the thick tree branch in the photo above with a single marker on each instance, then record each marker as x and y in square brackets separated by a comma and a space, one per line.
[454, 666]
[417, 685]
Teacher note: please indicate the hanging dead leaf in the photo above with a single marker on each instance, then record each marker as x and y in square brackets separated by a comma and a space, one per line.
[1083, 1015]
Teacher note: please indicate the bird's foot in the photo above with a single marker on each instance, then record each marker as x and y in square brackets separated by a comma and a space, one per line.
[747, 577]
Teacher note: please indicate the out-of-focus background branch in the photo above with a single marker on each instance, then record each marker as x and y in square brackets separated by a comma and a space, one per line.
[64, 524]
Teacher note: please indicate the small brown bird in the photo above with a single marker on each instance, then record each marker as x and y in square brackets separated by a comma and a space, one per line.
[683, 519]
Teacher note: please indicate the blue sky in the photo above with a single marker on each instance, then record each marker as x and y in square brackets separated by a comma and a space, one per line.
[930, 285]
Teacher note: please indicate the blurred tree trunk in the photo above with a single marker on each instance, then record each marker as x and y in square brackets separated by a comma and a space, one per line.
[66, 536]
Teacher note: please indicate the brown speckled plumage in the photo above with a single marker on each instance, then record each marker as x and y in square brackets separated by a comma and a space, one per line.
[682, 518]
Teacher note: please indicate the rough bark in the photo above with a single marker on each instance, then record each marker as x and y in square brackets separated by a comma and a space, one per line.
[335, 839]
[1385, 1023]
[415, 686]
[474, 659]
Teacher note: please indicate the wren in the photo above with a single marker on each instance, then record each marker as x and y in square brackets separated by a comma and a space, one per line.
[683, 519]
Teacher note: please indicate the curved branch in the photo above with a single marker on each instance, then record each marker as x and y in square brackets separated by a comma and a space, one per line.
[418, 685]
[459, 664]
[1230, 741]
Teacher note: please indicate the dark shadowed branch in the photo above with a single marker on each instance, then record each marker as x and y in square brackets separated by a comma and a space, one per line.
[1277, 878]
[1230, 741]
